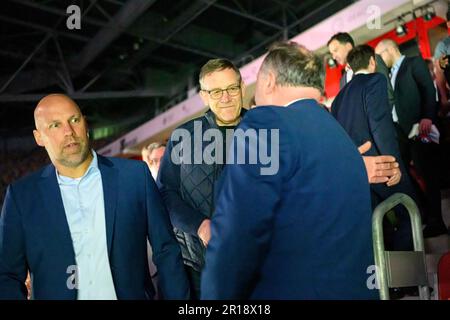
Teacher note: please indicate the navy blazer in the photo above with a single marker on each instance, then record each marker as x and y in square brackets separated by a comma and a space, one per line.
[380, 68]
[362, 108]
[302, 233]
[35, 235]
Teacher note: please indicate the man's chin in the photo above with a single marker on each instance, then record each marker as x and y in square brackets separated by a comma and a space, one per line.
[73, 160]
[230, 121]
[230, 118]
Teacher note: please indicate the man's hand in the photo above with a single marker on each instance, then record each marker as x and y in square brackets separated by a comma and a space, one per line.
[425, 127]
[443, 61]
[395, 178]
[380, 169]
[204, 231]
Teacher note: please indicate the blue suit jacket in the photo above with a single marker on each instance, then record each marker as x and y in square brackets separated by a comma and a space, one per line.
[303, 233]
[362, 108]
[34, 235]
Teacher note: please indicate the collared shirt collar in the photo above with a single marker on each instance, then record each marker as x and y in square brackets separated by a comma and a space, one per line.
[293, 101]
[397, 63]
[362, 72]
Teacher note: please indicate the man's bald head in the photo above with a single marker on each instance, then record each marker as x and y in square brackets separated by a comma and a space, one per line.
[62, 130]
[388, 43]
[389, 51]
[51, 101]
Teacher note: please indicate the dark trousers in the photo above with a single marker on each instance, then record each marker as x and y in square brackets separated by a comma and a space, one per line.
[425, 157]
[194, 282]
[443, 125]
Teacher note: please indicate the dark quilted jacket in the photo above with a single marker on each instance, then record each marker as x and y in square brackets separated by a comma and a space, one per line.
[188, 191]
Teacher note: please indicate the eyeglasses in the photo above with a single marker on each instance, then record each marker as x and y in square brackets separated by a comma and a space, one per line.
[216, 94]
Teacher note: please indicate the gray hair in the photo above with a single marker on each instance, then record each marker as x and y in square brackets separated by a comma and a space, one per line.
[294, 65]
[154, 146]
[220, 64]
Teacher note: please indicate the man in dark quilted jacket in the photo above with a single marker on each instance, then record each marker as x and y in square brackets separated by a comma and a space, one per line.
[187, 182]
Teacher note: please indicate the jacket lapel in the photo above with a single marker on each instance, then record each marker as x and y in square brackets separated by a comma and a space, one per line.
[343, 80]
[400, 71]
[110, 184]
[55, 217]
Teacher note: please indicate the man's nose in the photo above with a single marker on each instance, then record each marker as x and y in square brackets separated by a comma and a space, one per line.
[225, 97]
[68, 130]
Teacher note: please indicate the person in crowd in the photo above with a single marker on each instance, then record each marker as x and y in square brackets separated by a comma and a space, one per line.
[442, 70]
[363, 110]
[188, 188]
[415, 105]
[152, 155]
[339, 46]
[80, 224]
[443, 123]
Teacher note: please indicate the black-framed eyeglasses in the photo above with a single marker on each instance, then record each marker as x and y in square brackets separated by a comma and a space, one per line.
[216, 94]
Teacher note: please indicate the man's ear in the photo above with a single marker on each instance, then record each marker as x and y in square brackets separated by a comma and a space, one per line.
[349, 46]
[270, 82]
[372, 62]
[86, 126]
[38, 138]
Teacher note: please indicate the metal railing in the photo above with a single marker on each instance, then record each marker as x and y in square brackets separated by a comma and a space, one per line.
[399, 268]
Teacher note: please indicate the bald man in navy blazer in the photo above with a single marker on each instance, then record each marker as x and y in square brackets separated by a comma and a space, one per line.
[80, 225]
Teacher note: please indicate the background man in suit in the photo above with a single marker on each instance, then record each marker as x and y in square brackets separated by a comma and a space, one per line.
[442, 67]
[80, 224]
[415, 102]
[152, 155]
[305, 231]
[363, 110]
[339, 46]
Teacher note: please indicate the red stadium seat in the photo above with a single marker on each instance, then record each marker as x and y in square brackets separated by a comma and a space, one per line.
[444, 277]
